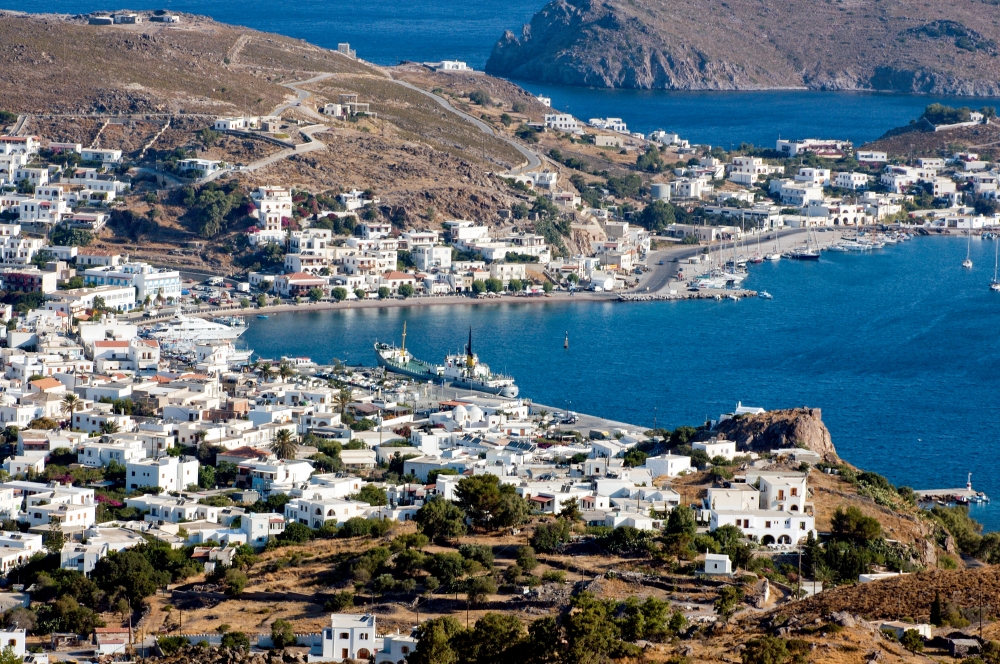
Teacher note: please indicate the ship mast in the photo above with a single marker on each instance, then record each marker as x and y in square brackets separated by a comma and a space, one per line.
[403, 349]
[469, 361]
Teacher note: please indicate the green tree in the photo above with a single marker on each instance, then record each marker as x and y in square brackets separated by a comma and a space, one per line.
[656, 216]
[129, 574]
[547, 286]
[548, 537]
[727, 602]
[479, 588]
[480, 97]
[206, 477]
[235, 641]
[494, 285]
[406, 290]
[296, 533]
[765, 650]
[591, 632]
[495, 637]
[681, 521]
[236, 581]
[282, 634]
[447, 566]
[526, 558]
[571, 511]
[284, 446]
[852, 525]
[478, 286]
[434, 642]
[440, 520]
[55, 539]
[360, 293]
[912, 641]
[384, 292]
[371, 494]
[490, 504]
[936, 618]
[316, 294]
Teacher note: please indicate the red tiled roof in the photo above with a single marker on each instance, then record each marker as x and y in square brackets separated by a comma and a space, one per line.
[110, 344]
[399, 275]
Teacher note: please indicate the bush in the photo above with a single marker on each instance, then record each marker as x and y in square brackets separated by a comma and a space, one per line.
[235, 641]
[296, 533]
[548, 537]
[356, 526]
[526, 558]
[554, 576]
[282, 634]
[339, 602]
[480, 97]
[478, 552]
[766, 650]
[169, 645]
[236, 581]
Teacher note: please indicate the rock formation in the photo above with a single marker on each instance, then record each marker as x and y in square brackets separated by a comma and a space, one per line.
[903, 45]
[798, 427]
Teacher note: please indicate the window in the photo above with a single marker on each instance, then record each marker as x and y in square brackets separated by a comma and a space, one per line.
[781, 494]
[802, 525]
[767, 524]
[345, 635]
[795, 491]
[363, 636]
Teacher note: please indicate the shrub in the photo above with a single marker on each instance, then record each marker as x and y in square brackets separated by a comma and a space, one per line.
[548, 537]
[339, 601]
[282, 634]
[526, 558]
[169, 645]
[478, 552]
[554, 576]
[235, 641]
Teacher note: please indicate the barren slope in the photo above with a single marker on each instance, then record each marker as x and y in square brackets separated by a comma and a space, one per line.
[900, 45]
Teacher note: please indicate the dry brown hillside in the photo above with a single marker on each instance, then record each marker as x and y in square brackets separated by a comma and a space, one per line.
[899, 45]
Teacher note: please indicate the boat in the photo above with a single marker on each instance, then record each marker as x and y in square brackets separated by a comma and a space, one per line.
[186, 328]
[773, 257]
[401, 361]
[262, 316]
[231, 321]
[466, 371]
[765, 295]
[804, 255]
[967, 263]
[463, 370]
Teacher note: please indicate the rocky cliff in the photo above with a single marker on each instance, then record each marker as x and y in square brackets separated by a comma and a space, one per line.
[798, 427]
[896, 45]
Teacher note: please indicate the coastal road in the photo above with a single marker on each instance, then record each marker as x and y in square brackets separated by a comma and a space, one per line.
[663, 275]
[534, 161]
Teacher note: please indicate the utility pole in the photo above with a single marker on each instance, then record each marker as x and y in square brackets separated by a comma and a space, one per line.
[798, 589]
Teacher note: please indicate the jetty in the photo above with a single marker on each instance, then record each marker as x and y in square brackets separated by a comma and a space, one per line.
[965, 495]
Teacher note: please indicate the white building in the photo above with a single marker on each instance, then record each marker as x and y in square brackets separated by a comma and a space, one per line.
[103, 156]
[562, 122]
[766, 526]
[784, 492]
[168, 473]
[348, 637]
[852, 181]
[261, 526]
[273, 205]
[669, 465]
[147, 280]
[717, 448]
[718, 564]
[747, 170]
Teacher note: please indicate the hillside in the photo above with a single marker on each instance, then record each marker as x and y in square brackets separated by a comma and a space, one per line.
[894, 45]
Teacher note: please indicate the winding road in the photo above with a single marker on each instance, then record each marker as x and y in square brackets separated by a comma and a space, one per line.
[534, 161]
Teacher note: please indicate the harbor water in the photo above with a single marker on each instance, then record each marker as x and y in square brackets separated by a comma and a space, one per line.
[897, 347]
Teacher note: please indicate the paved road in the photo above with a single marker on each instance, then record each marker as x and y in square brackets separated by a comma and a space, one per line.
[662, 275]
[534, 161]
[300, 96]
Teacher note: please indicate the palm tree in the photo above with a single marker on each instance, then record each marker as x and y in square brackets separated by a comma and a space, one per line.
[283, 445]
[266, 372]
[286, 371]
[71, 404]
[110, 427]
[343, 400]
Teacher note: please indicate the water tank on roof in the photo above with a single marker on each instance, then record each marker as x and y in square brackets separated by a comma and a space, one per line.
[660, 191]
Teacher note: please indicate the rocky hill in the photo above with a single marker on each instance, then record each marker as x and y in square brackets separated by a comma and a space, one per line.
[798, 427]
[894, 45]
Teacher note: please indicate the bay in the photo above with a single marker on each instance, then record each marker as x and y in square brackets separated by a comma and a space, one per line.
[898, 348]
[386, 32]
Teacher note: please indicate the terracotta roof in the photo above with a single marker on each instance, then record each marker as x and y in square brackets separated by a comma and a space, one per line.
[46, 383]
[110, 344]
[399, 275]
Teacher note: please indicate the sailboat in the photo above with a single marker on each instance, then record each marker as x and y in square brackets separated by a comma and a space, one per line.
[967, 263]
[995, 284]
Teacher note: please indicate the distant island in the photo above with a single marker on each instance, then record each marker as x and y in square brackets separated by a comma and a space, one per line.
[938, 48]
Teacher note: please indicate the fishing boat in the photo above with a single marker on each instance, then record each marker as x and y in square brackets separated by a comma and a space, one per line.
[765, 295]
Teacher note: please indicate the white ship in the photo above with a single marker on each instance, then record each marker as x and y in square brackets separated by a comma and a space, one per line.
[466, 371]
[185, 328]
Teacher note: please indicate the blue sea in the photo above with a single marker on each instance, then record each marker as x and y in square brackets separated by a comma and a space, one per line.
[898, 348]
[387, 32]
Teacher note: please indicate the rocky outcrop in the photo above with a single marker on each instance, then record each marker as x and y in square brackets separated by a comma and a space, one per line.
[798, 427]
[933, 48]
